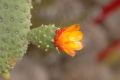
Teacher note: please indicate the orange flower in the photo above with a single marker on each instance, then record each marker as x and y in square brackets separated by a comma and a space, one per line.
[68, 39]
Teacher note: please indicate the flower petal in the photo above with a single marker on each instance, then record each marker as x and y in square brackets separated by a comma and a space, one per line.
[71, 36]
[75, 45]
[69, 52]
[74, 27]
[75, 36]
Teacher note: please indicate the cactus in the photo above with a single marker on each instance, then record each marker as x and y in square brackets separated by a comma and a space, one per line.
[15, 34]
[42, 37]
[14, 28]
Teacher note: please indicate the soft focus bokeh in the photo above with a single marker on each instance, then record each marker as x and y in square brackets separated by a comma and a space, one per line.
[100, 23]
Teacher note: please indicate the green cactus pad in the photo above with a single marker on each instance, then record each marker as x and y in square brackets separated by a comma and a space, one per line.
[42, 36]
[14, 26]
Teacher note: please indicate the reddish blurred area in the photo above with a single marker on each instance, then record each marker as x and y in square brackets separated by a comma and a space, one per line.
[109, 50]
[107, 9]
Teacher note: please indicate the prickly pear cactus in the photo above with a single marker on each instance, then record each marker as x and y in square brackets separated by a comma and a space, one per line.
[15, 34]
[14, 26]
[42, 37]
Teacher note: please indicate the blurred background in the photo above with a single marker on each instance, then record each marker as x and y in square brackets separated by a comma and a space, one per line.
[100, 57]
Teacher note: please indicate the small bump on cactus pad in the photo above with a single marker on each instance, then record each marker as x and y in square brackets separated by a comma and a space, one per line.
[14, 26]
